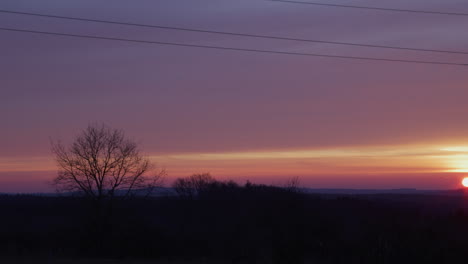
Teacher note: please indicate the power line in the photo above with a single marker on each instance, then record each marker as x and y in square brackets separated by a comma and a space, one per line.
[229, 48]
[232, 33]
[373, 8]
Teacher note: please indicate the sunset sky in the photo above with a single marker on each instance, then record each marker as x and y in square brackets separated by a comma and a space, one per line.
[334, 123]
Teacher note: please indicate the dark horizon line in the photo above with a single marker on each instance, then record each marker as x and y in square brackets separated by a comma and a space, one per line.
[305, 190]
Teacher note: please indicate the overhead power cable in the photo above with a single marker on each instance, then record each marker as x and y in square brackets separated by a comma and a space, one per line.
[229, 48]
[373, 8]
[233, 33]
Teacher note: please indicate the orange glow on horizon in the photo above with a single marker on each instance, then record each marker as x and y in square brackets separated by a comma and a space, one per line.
[364, 160]
[331, 166]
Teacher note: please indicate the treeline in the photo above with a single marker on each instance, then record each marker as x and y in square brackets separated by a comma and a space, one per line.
[225, 222]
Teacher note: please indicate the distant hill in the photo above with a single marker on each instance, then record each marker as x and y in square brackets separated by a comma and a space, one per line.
[158, 192]
[457, 192]
[167, 191]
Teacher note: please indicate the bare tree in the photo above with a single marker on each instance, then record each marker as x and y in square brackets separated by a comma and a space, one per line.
[191, 186]
[102, 163]
[293, 185]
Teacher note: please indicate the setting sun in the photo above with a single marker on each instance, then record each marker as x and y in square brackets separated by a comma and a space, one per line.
[465, 182]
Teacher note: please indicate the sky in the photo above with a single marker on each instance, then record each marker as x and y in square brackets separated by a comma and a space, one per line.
[334, 123]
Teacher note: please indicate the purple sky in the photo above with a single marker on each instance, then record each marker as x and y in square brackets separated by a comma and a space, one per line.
[186, 100]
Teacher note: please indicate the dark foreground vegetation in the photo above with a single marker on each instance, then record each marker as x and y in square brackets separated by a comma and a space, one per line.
[227, 223]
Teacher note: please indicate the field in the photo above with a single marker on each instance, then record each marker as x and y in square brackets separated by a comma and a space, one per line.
[238, 224]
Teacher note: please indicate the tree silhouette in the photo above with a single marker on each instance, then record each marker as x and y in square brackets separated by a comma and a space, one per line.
[192, 186]
[102, 163]
[292, 184]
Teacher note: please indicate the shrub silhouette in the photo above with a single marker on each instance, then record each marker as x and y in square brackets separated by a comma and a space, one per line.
[192, 186]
